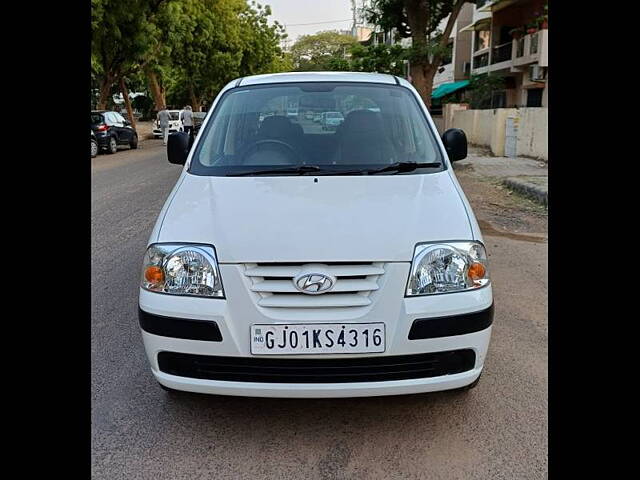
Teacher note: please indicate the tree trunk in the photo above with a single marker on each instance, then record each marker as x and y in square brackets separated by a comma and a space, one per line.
[105, 89]
[195, 101]
[420, 68]
[424, 68]
[127, 102]
[157, 92]
[422, 74]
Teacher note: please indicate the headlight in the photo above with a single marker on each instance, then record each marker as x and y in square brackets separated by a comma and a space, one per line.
[447, 267]
[182, 270]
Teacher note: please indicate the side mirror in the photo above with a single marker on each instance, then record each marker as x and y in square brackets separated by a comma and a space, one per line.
[178, 148]
[455, 143]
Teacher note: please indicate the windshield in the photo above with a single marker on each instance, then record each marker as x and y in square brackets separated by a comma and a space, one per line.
[372, 126]
[174, 115]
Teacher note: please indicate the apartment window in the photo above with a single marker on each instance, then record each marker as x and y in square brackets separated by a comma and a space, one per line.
[481, 60]
[499, 99]
[534, 97]
[482, 38]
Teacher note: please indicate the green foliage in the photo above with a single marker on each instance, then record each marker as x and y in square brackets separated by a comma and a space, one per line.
[481, 88]
[419, 20]
[143, 104]
[390, 14]
[378, 58]
[121, 34]
[322, 51]
[332, 51]
[193, 47]
[221, 40]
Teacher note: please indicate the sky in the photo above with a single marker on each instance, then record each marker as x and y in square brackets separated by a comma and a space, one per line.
[294, 12]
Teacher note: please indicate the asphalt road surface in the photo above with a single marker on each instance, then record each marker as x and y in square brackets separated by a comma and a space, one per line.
[498, 430]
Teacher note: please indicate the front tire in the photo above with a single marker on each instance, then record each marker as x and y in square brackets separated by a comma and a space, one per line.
[94, 148]
[133, 144]
[113, 145]
[473, 384]
[171, 391]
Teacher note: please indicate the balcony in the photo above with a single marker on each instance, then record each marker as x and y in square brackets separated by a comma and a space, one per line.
[515, 55]
[480, 62]
[532, 48]
[501, 53]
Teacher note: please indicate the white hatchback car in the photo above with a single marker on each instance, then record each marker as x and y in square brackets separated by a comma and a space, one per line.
[175, 124]
[287, 262]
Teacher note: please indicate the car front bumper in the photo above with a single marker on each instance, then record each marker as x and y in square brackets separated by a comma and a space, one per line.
[438, 323]
[158, 132]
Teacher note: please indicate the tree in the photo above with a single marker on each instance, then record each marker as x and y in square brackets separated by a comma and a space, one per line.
[223, 40]
[481, 88]
[169, 27]
[419, 20]
[144, 104]
[121, 37]
[378, 58]
[184, 49]
[261, 51]
[322, 51]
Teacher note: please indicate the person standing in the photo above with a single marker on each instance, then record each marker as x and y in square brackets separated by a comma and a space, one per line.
[187, 121]
[163, 121]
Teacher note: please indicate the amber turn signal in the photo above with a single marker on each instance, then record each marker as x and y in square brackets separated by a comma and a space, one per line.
[154, 274]
[477, 271]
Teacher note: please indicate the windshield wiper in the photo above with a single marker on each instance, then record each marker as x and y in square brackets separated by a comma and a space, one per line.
[403, 167]
[300, 170]
[394, 167]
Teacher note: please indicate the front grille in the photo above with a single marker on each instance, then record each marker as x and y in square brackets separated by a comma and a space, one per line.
[315, 370]
[273, 285]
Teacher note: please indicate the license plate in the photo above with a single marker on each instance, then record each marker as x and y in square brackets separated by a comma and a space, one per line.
[315, 338]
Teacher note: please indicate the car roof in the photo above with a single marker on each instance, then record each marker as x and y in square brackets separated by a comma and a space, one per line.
[318, 77]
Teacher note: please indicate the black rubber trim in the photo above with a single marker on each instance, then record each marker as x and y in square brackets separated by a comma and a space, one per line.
[184, 328]
[453, 325]
[379, 368]
[396, 79]
[239, 82]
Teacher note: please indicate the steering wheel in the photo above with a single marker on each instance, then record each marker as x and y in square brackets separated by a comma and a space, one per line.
[279, 146]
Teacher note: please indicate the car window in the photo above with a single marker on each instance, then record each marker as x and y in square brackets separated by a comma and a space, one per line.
[96, 118]
[361, 125]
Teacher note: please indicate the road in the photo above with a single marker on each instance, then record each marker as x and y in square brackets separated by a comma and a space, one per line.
[498, 430]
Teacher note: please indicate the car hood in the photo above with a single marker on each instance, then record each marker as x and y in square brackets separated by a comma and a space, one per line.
[315, 219]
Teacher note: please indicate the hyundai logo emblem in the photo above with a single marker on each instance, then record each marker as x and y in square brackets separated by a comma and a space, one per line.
[314, 283]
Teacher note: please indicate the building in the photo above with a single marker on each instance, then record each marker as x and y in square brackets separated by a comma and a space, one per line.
[508, 38]
[361, 29]
[511, 39]
[456, 66]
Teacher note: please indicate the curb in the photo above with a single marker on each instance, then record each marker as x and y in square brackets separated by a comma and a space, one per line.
[530, 190]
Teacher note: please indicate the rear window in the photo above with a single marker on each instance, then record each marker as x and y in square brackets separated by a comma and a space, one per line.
[96, 118]
[251, 127]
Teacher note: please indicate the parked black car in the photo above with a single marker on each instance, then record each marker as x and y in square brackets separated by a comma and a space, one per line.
[111, 130]
[198, 118]
[94, 145]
